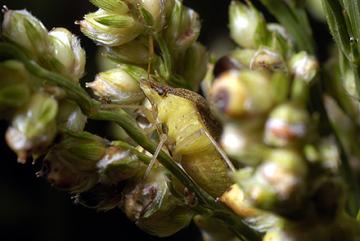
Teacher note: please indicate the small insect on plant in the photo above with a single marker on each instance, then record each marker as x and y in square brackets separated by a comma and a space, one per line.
[188, 130]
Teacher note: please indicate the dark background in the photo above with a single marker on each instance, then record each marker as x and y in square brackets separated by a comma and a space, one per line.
[32, 210]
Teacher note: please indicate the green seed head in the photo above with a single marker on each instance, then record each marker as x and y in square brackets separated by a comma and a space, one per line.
[157, 11]
[70, 116]
[25, 30]
[110, 29]
[266, 59]
[14, 86]
[81, 150]
[119, 85]
[236, 93]
[68, 52]
[303, 66]
[244, 142]
[183, 28]
[247, 25]
[195, 61]
[118, 165]
[112, 6]
[278, 184]
[33, 126]
[135, 52]
[288, 125]
[150, 204]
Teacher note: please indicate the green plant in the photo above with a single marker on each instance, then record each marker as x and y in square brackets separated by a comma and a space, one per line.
[269, 153]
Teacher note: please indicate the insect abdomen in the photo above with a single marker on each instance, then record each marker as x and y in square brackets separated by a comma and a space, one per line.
[198, 155]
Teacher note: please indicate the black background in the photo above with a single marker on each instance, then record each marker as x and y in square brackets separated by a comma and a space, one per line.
[32, 210]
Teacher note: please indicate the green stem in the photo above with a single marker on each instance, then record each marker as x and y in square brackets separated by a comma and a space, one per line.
[338, 25]
[356, 68]
[236, 226]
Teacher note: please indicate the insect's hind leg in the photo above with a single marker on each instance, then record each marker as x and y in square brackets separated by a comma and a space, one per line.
[218, 148]
[192, 138]
[162, 141]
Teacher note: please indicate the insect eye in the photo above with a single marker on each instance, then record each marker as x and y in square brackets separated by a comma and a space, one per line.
[160, 91]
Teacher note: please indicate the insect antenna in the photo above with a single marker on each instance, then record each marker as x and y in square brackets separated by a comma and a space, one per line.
[151, 55]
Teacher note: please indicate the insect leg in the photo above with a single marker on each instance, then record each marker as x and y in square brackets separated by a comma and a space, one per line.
[163, 139]
[218, 148]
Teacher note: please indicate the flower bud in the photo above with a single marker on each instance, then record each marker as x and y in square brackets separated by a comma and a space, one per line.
[118, 165]
[183, 27]
[81, 151]
[278, 184]
[303, 66]
[243, 143]
[135, 52]
[153, 207]
[67, 50]
[195, 61]
[14, 86]
[62, 175]
[266, 59]
[236, 93]
[288, 125]
[70, 116]
[27, 31]
[33, 127]
[247, 25]
[119, 85]
[110, 29]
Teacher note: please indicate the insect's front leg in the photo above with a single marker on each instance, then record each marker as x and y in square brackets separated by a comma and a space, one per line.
[161, 129]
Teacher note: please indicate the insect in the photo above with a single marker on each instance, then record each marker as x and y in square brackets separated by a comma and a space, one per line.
[188, 131]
